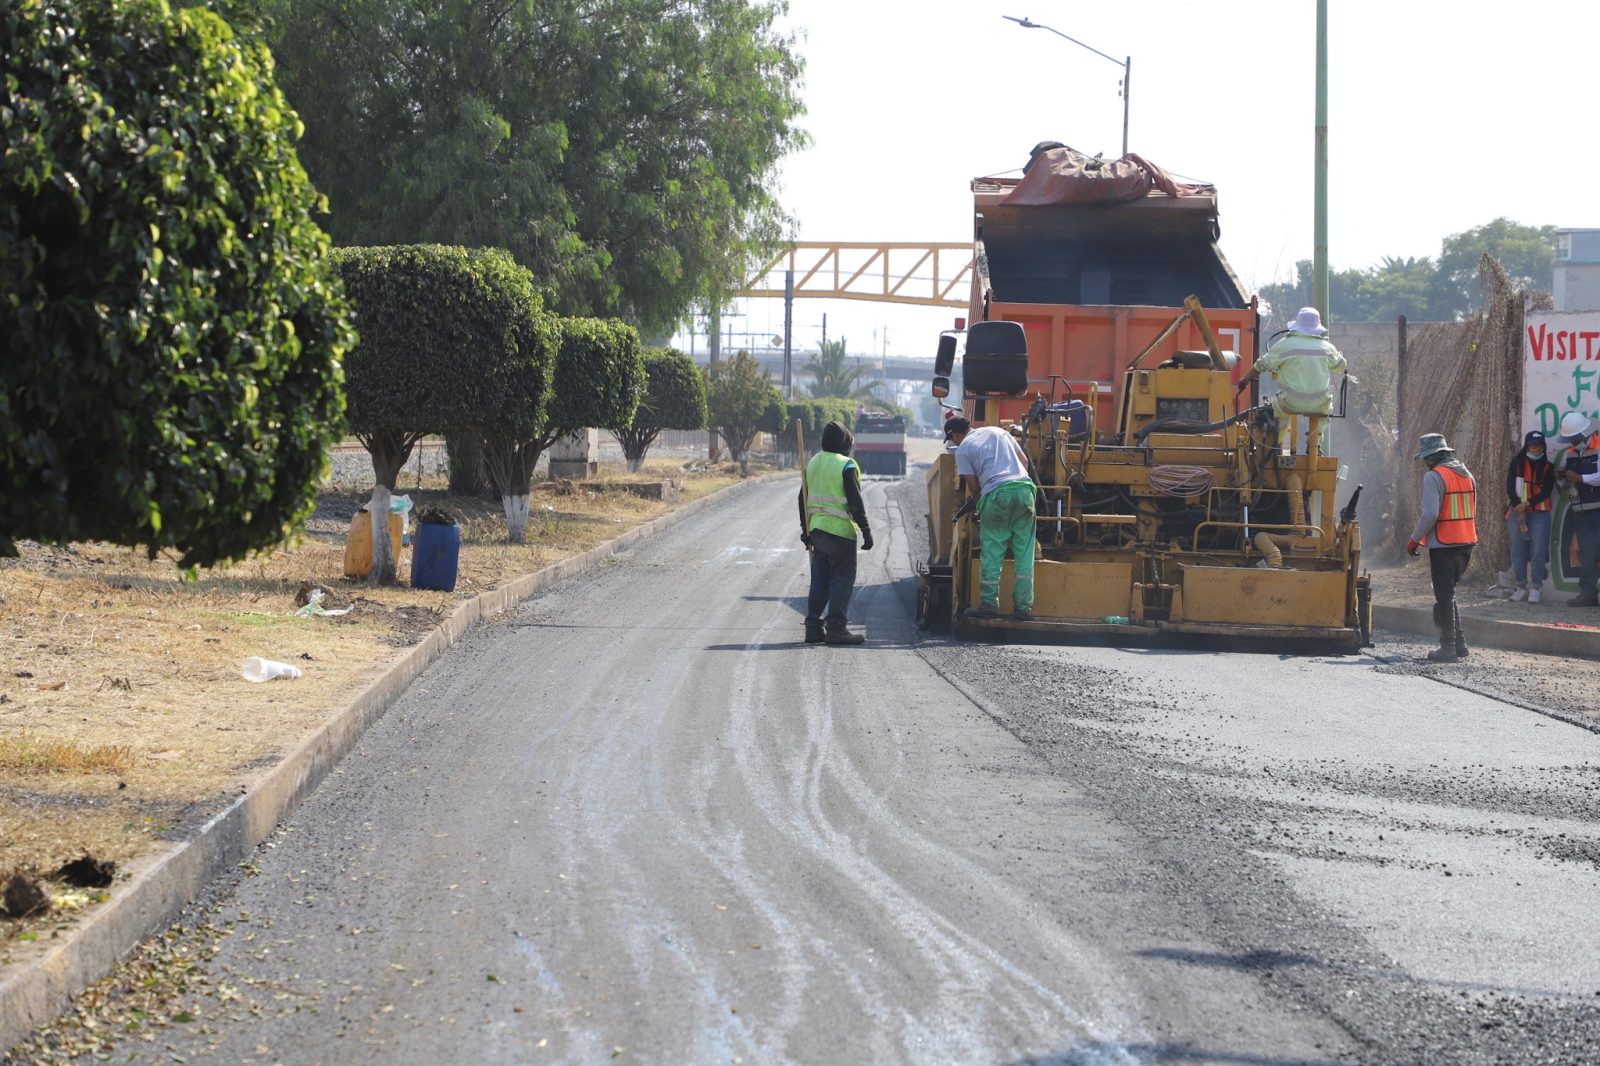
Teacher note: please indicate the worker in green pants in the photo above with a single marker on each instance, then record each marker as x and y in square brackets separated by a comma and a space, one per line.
[994, 474]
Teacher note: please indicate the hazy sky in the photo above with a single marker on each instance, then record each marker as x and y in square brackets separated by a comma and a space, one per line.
[1442, 116]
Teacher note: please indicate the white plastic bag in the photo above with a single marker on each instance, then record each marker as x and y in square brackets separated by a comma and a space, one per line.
[256, 668]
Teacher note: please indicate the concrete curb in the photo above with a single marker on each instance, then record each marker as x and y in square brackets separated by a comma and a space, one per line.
[34, 991]
[1493, 633]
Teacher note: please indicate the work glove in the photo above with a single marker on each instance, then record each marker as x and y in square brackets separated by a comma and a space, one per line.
[866, 540]
[805, 538]
[1412, 546]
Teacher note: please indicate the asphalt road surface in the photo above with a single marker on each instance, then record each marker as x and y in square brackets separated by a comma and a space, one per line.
[638, 820]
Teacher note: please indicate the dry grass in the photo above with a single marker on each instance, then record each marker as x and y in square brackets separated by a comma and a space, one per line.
[25, 754]
[121, 678]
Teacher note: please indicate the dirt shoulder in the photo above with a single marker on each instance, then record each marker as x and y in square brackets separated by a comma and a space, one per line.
[124, 716]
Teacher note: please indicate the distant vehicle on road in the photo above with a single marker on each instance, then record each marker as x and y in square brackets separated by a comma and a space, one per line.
[880, 443]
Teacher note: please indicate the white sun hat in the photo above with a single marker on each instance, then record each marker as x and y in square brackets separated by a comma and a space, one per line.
[1308, 321]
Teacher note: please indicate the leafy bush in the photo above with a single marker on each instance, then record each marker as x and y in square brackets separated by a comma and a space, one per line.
[738, 397]
[674, 398]
[449, 339]
[598, 380]
[170, 331]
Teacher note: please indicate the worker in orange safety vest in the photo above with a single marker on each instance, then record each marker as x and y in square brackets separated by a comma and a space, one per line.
[1448, 526]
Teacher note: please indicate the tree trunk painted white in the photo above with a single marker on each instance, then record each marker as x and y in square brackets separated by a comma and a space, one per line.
[383, 561]
[516, 508]
[635, 465]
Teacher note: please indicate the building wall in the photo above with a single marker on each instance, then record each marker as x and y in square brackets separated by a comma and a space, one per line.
[1577, 286]
[1367, 338]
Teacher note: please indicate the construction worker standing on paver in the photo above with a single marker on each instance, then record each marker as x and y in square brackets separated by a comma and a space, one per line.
[994, 475]
[1579, 469]
[1303, 361]
[1448, 526]
[831, 510]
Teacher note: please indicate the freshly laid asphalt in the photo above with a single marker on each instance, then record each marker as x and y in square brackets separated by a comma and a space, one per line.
[637, 819]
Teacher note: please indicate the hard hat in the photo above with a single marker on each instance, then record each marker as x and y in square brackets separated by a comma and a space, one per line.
[1574, 426]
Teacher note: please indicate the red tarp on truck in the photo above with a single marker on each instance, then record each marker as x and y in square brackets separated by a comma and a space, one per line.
[1062, 175]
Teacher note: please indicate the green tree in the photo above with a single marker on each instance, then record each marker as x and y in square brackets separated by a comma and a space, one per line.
[618, 148]
[1528, 254]
[599, 381]
[170, 330]
[738, 397]
[510, 423]
[674, 398]
[437, 325]
[832, 375]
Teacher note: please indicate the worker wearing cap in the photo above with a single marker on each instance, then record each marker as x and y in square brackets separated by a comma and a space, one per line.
[1303, 362]
[831, 510]
[1448, 526]
[1580, 469]
[995, 479]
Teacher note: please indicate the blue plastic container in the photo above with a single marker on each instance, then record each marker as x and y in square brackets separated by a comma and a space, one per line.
[435, 557]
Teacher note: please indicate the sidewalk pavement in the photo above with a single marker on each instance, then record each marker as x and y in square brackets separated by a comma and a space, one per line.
[1402, 598]
[39, 984]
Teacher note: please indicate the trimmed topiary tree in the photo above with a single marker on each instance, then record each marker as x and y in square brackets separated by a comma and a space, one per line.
[170, 331]
[512, 422]
[738, 398]
[674, 398]
[599, 380]
[435, 323]
[451, 339]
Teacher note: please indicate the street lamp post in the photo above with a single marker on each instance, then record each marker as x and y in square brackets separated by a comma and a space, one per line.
[1126, 63]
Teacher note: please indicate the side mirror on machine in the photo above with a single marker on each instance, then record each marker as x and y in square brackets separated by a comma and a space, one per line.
[997, 358]
[941, 387]
[944, 363]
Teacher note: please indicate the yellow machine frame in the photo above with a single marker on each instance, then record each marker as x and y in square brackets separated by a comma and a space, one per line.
[1164, 530]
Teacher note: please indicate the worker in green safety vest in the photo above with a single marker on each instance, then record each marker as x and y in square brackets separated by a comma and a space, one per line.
[831, 511]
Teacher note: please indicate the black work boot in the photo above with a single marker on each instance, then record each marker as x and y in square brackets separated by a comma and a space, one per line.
[1461, 636]
[1446, 651]
[839, 633]
[814, 633]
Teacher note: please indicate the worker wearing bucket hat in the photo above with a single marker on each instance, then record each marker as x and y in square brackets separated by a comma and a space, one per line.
[1448, 526]
[1580, 472]
[1303, 361]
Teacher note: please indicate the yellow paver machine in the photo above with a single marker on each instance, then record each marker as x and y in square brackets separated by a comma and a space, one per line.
[1196, 510]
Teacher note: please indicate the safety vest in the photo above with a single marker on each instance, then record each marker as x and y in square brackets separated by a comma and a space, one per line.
[1582, 458]
[827, 508]
[1530, 485]
[1457, 513]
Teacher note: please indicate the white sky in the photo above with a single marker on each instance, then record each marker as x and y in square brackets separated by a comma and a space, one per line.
[1442, 116]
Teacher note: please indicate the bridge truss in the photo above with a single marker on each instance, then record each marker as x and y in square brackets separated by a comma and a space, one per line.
[925, 274]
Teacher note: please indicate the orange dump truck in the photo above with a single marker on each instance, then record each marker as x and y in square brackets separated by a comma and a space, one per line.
[1094, 266]
[1109, 335]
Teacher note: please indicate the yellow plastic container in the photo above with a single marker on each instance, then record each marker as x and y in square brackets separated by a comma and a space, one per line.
[358, 545]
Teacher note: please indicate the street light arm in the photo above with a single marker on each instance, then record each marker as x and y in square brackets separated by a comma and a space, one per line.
[1028, 24]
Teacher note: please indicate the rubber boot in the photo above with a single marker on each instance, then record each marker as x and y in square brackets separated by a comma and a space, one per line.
[1446, 651]
[814, 632]
[1461, 636]
[839, 633]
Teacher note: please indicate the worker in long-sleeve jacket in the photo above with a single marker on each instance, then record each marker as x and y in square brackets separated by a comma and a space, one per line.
[1303, 361]
[1580, 469]
[1530, 483]
[831, 511]
[1448, 526]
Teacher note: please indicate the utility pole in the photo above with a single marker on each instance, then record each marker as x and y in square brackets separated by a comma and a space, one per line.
[714, 346]
[788, 333]
[1319, 261]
